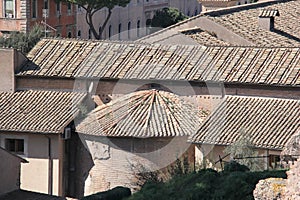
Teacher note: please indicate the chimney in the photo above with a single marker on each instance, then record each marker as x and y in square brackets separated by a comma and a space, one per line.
[266, 19]
[10, 60]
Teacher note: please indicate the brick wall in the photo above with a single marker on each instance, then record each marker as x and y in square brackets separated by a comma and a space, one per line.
[112, 162]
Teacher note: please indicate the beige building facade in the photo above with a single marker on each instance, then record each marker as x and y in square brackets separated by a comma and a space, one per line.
[43, 172]
[10, 171]
[130, 22]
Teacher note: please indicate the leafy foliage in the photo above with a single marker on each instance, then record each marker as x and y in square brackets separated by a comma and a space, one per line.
[167, 17]
[206, 184]
[92, 6]
[22, 41]
[244, 153]
[234, 166]
[117, 193]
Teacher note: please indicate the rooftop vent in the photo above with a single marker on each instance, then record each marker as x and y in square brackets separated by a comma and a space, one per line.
[266, 19]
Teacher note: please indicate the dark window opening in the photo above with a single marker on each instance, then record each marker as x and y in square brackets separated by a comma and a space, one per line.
[138, 25]
[15, 145]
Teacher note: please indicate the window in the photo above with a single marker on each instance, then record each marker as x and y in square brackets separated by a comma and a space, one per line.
[100, 34]
[34, 8]
[109, 32]
[138, 26]
[58, 8]
[129, 27]
[69, 8]
[9, 8]
[15, 145]
[119, 31]
[46, 4]
[79, 34]
[69, 34]
[274, 161]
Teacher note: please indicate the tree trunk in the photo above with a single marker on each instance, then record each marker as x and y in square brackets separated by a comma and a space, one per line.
[89, 20]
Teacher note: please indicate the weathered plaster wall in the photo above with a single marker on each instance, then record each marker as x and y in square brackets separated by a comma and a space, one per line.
[10, 172]
[115, 161]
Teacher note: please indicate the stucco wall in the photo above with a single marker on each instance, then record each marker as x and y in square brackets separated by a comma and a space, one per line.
[115, 161]
[35, 174]
[208, 155]
[10, 172]
[134, 11]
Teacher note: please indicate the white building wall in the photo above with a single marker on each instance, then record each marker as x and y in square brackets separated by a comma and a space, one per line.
[136, 10]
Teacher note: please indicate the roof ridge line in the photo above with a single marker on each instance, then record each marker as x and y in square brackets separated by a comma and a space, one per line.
[202, 14]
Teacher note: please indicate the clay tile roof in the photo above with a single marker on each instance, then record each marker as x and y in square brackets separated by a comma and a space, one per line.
[268, 13]
[242, 21]
[205, 37]
[28, 195]
[269, 122]
[37, 111]
[147, 113]
[77, 58]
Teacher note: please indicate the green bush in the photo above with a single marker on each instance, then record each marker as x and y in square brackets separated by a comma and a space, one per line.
[235, 184]
[116, 193]
[22, 41]
[234, 166]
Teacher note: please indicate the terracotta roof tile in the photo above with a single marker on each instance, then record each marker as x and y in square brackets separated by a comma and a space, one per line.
[147, 113]
[278, 66]
[205, 38]
[269, 13]
[270, 122]
[242, 21]
[37, 111]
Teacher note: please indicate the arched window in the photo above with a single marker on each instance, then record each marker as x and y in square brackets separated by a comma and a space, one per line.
[109, 31]
[138, 26]
[129, 27]
[69, 34]
[148, 26]
[148, 22]
[119, 31]
[79, 34]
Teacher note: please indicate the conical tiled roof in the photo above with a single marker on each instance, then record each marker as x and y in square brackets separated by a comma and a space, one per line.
[147, 113]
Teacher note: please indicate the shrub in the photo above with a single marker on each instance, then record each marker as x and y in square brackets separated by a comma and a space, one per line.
[116, 193]
[234, 166]
[237, 183]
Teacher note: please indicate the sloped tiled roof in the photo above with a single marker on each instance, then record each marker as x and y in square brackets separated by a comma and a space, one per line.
[37, 111]
[269, 122]
[146, 113]
[28, 195]
[12, 154]
[268, 13]
[113, 60]
[205, 38]
[242, 21]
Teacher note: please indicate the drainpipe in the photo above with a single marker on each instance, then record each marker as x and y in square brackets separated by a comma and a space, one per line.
[50, 167]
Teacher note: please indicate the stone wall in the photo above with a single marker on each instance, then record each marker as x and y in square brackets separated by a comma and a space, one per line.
[292, 191]
[109, 162]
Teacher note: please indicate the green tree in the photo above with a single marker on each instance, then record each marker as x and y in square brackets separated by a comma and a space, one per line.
[244, 153]
[167, 17]
[22, 41]
[92, 6]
